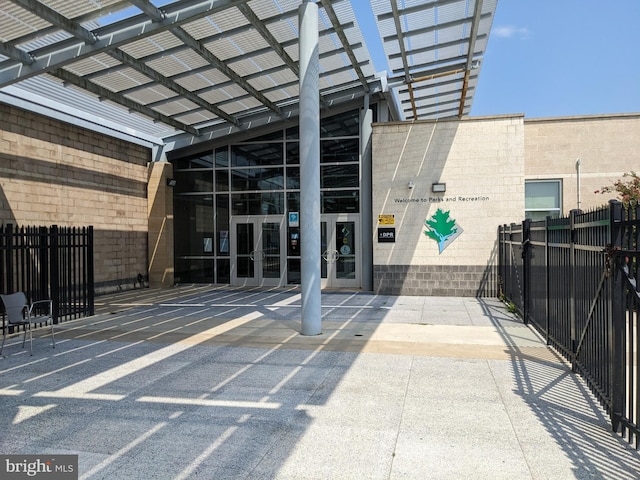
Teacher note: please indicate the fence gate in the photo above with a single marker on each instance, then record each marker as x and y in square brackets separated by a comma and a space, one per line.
[511, 266]
[579, 288]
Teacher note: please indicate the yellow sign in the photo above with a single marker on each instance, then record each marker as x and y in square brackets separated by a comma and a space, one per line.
[386, 219]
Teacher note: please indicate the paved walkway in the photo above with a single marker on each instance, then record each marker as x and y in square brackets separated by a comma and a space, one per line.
[217, 383]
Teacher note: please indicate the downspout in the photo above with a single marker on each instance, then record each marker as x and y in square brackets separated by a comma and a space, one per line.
[578, 181]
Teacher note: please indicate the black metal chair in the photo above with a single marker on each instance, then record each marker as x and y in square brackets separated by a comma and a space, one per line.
[18, 312]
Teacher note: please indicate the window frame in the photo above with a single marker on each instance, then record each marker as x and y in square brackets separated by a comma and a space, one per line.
[552, 210]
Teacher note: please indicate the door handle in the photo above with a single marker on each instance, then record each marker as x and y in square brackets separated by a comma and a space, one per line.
[259, 253]
[331, 256]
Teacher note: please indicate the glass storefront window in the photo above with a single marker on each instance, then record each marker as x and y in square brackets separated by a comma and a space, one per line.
[344, 201]
[293, 133]
[222, 156]
[195, 161]
[342, 125]
[294, 277]
[222, 225]
[193, 270]
[293, 201]
[293, 241]
[340, 151]
[293, 178]
[188, 181]
[257, 179]
[293, 153]
[193, 220]
[222, 180]
[223, 270]
[266, 203]
[257, 154]
[339, 176]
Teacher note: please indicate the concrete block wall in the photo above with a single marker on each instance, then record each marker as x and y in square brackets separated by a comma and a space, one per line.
[607, 146]
[481, 161]
[54, 173]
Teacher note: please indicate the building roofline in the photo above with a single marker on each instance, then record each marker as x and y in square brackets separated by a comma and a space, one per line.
[457, 119]
[595, 116]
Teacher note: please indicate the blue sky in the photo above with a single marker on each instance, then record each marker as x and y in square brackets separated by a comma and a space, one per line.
[549, 58]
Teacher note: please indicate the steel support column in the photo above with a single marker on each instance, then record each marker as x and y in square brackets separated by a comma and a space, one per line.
[366, 133]
[310, 169]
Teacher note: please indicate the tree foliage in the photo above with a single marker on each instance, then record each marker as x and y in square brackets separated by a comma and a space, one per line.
[626, 188]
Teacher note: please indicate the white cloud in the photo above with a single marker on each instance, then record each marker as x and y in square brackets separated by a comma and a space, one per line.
[510, 31]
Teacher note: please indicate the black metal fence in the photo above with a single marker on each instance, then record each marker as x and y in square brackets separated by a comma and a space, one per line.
[575, 279]
[50, 263]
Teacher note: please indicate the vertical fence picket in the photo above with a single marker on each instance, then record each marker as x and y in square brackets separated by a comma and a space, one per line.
[526, 270]
[90, 272]
[618, 349]
[55, 271]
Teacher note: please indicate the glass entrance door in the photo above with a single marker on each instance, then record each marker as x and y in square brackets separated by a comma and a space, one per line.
[340, 245]
[256, 257]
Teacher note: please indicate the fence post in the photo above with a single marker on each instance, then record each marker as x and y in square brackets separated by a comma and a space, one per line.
[572, 289]
[4, 244]
[55, 272]
[43, 286]
[547, 275]
[617, 314]
[90, 271]
[526, 269]
[501, 246]
[10, 244]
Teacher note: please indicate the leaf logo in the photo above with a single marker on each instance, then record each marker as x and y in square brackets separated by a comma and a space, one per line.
[442, 229]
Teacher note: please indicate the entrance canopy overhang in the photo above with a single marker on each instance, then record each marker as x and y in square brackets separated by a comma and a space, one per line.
[177, 73]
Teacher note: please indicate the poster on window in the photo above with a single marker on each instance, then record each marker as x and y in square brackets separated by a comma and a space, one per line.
[207, 245]
[224, 241]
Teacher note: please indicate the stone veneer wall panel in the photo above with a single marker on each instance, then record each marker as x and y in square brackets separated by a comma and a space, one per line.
[54, 173]
[161, 242]
[481, 161]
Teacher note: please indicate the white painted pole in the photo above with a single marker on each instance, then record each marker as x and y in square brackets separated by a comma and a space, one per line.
[578, 181]
[310, 169]
[366, 221]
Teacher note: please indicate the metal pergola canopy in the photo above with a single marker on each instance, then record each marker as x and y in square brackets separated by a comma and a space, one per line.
[186, 71]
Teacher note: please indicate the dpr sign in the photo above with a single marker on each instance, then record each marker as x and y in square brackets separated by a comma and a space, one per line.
[387, 235]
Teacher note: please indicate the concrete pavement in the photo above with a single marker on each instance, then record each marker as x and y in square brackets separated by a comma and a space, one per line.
[217, 383]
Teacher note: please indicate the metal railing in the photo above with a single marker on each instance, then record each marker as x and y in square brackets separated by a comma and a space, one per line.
[50, 263]
[575, 279]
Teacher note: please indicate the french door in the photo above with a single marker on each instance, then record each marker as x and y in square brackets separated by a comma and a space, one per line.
[341, 253]
[257, 251]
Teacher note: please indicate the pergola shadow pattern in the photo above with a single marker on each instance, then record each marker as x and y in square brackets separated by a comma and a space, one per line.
[216, 382]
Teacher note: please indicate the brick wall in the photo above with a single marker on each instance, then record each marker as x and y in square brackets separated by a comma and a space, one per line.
[53, 173]
[607, 146]
[481, 161]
